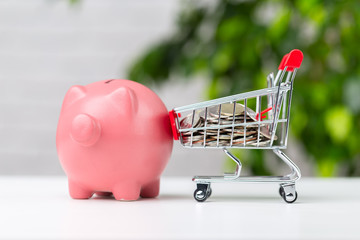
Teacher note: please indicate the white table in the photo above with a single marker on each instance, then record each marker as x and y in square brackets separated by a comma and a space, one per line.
[40, 208]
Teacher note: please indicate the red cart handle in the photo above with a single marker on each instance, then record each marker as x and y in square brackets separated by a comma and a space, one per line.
[291, 60]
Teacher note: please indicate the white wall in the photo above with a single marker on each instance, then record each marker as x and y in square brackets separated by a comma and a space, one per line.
[46, 46]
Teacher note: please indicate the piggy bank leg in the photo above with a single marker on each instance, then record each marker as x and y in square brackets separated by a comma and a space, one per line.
[79, 192]
[151, 190]
[103, 194]
[128, 191]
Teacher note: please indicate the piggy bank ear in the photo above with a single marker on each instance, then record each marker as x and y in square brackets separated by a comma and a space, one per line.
[85, 130]
[75, 92]
[125, 100]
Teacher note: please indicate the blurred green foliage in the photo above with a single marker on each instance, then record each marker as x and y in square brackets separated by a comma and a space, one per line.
[73, 2]
[235, 44]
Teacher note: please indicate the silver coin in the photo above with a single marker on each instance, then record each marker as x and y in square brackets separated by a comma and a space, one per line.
[228, 109]
[262, 143]
[224, 135]
[189, 122]
[193, 138]
[265, 132]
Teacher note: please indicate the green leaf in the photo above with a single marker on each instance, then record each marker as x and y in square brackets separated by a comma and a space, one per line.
[352, 94]
[338, 122]
[327, 167]
[229, 43]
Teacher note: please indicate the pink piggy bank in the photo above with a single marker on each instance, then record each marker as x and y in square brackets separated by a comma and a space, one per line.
[113, 136]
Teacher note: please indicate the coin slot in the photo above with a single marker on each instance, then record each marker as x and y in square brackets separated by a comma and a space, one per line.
[109, 81]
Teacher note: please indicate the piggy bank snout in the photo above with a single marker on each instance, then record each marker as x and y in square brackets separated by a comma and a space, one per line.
[85, 130]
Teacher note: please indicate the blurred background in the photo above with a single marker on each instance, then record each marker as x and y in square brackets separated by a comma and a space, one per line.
[187, 52]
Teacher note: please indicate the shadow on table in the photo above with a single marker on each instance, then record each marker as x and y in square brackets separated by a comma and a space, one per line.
[221, 198]
[254, 198]
[233, 198]
[160, 197]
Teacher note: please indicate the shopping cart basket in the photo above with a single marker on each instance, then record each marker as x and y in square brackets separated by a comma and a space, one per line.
[230, 122]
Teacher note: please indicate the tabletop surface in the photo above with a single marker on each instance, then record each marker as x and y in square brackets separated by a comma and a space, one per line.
[40, 208]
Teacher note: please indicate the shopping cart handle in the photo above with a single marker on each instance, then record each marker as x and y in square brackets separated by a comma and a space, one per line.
[291, 60]
[283, 60]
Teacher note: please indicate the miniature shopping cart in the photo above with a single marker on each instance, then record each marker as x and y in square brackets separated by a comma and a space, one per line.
[231, 122]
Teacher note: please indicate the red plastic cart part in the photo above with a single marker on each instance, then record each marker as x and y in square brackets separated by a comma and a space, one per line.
[261, 114]
[172, 116]
[282, 63]
[291, 60]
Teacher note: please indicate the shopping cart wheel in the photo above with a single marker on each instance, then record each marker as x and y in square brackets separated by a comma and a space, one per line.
[209, 192]
[202, 192]
[288, 197]
[200, 195]
[281, 191]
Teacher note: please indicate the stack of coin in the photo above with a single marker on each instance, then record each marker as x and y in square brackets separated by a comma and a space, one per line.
[217, 134]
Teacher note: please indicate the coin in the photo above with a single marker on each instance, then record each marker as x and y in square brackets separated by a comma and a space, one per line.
[189, 121]
[227, 109]
[224, 136]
